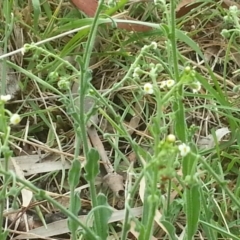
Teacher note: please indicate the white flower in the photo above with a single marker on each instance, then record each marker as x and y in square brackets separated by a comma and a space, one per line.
[15, 119]
[163, 84]
[233, 9]
[154, 45]
[196, 87]
[184, 149]
[170, 83]
[5, 98]
[171, 138]
[148, 88]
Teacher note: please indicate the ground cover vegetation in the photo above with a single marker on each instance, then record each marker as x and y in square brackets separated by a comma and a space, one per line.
[119, 119]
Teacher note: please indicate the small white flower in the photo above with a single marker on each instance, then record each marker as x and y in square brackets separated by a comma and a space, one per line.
[196, 87]
[148, 88]
[15, 119]
[184, 149]
[154, 45]
[170, 83]
[163, 84]
[233, 9]
[171, 138]
[5, 98]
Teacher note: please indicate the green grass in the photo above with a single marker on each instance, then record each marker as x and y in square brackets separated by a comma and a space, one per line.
[181, 194]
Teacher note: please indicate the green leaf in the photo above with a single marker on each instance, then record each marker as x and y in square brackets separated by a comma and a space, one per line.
[4, 235]
[170, 229]
[192, 209]
[75, 205]
[74, 174]
[92, 165]
[105, 213]
[187, 165]
[37, 12]
[219, 230]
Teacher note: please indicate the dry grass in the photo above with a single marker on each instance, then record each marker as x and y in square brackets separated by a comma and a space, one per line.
[43, 144]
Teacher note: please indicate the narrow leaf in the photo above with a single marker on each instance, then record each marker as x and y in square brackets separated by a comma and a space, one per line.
[192, 195]
[170, 229]
[74, 174]
[105, 214]
[92, 165]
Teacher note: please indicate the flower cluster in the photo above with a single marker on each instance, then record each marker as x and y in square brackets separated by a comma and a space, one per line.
[148, 87]
[183, 148]
[189, 79]
[167, 83]
[233, 19]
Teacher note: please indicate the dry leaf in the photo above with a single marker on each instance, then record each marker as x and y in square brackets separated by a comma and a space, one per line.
[20, 220]
[61, 227]
[208, 142]
[210, 52]
[185, 6]
[31, 164]
[89, 8]
[133, 124]
[115, 182]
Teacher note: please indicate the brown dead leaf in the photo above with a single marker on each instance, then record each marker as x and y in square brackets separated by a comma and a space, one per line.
[185, 6]
[89, 8]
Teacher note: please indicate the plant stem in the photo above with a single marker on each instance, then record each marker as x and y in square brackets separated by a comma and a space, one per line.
[84, 85]
[179, 108]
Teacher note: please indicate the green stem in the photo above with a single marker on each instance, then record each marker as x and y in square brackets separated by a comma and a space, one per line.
[179, 108]
[84, 85]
